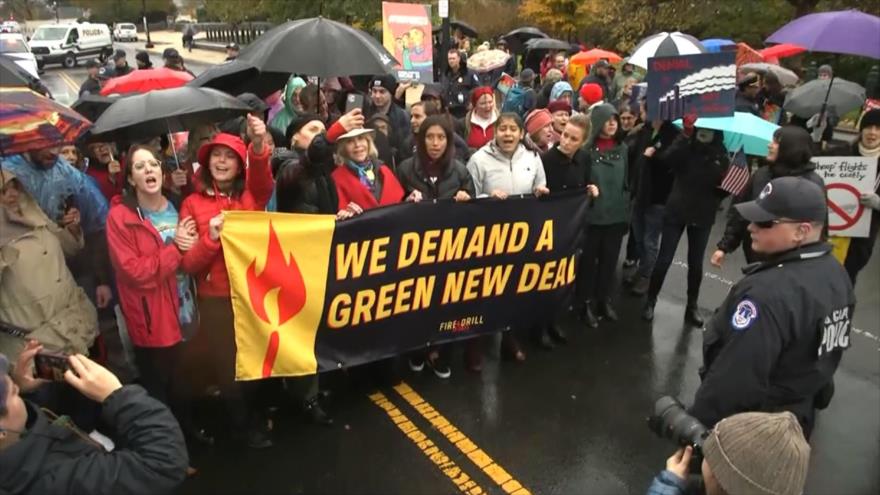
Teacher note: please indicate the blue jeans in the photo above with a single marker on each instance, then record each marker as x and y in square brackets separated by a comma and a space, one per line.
[647, 224]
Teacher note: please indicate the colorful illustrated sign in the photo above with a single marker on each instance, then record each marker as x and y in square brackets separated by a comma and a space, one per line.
[704, 84]
[406, 33]
[311, 294]
[846, 179]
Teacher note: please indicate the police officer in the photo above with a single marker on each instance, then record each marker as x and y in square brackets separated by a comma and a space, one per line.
[777, 339]
[92, 84]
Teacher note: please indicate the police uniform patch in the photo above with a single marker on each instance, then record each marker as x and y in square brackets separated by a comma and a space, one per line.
[746, 313]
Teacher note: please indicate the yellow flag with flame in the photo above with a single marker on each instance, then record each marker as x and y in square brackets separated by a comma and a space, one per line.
[277, 264]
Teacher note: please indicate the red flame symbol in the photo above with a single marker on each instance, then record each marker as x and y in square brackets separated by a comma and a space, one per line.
[280, 271]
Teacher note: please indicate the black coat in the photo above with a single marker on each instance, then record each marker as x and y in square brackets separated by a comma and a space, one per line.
[150, 454]
[457, 87]
[698, 170]
[303, 186]
[564, 173]
[651, 178]
[90, 86]
[456, 178]
[736, 229]
[776, 340]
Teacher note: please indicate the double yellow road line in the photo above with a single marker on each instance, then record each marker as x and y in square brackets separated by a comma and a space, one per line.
[464, 482]
[68, 81]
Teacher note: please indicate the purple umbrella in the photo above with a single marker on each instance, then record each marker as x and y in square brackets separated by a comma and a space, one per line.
[847, 31]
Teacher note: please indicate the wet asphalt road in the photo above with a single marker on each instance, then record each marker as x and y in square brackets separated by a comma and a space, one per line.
[566, 421]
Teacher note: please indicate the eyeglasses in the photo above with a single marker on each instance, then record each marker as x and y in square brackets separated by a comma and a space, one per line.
[769, 224]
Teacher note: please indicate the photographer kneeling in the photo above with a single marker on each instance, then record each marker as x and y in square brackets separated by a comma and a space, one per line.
[41, 453]
[745, 453]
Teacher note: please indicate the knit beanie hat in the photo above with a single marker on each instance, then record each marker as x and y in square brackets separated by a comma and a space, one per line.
[758, 453]
[591, 93]
[871, 117]
[537, 120]
[559, 106]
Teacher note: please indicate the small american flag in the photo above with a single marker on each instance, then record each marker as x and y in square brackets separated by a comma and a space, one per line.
[737, 175]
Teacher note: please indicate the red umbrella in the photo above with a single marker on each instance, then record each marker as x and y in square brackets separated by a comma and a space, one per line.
[144, 80]
[590, 57]
[781, 51]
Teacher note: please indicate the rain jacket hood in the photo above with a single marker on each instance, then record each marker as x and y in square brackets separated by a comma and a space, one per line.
[284, 116]
[37, 290]
[50, 188]
[598, 116]
[558, 89]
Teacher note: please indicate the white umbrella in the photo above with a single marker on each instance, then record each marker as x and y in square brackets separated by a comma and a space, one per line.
[786, 77]
[665, 45]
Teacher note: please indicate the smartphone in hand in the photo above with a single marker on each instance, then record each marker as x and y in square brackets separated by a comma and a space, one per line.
[51, 365]
[354, 100]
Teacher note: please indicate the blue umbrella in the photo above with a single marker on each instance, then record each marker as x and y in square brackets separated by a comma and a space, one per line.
[714, 45]
[744, 130]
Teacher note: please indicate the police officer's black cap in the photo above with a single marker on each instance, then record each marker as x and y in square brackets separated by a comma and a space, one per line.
[232, 46]
[120, 53]
[792, 198]
[170, 53]
[92, 63]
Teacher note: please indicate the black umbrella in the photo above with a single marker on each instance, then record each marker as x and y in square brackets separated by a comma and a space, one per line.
[92, 106]
[237, 76]
[465, 28]
[318, 47]
[547, 44]
[165, 111]
[518, 37]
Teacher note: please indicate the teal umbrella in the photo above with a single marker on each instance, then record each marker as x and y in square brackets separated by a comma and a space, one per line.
[744, 130]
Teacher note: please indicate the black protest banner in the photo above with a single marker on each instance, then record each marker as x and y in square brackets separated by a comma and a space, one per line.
[394, 279]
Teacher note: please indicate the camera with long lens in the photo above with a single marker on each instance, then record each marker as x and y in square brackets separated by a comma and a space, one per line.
[671, 420]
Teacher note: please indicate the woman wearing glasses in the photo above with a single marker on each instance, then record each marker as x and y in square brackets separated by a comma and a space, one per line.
[146, 241]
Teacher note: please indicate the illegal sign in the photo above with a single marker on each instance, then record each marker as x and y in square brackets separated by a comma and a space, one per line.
[846, 179]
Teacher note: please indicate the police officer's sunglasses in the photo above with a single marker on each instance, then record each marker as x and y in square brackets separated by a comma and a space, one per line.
[769, 224]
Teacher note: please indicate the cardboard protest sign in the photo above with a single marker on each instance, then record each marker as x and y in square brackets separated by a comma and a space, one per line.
[704, 84]
[846, 178]
[406, 32]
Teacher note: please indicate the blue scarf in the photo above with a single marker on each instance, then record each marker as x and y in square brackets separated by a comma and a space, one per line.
[366, 173]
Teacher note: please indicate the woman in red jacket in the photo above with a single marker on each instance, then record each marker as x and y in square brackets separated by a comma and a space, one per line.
[232, 177]
[362, 181]
[146, 244]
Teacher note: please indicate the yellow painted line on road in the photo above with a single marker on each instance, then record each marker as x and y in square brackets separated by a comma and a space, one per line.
[497, 473]
[461, 480]
[70, 82]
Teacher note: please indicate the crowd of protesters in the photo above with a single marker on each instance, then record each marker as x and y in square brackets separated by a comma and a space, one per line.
[121, 241]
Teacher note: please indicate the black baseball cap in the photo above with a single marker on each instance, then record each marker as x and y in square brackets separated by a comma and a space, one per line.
[232, 46]
[120, 53]
[92, 63]
[794, 198]
[170, 53]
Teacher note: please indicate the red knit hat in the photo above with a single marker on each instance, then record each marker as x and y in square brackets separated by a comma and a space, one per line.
[537, 120]
[591, 93]
[222, 139]
[559, 106]
[478, 92]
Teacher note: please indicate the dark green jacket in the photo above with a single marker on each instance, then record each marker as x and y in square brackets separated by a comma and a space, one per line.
[608, 171]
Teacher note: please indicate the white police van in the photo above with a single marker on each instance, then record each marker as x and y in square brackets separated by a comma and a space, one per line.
[67, 43]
